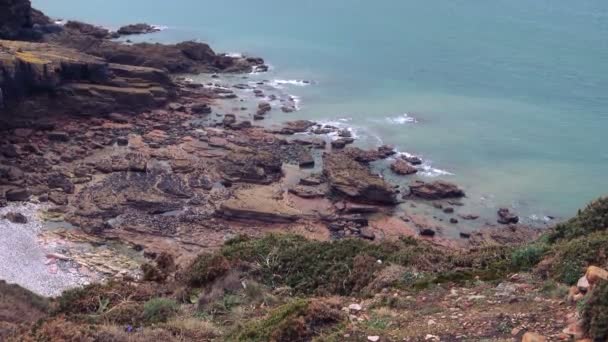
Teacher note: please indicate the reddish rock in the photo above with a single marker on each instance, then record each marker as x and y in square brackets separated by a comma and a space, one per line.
[401, 167]
[435, 190]
[352, 179]
[533, 337]
[595, 274]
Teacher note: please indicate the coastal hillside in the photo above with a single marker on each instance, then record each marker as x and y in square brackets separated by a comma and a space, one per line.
[138, 204]
[288, 288]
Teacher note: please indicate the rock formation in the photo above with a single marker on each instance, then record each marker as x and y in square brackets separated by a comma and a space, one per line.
[69, 81]
[435, 190]
[349, 178]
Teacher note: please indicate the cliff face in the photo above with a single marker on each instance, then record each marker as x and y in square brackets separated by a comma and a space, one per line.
[64, 80]
[15, 18]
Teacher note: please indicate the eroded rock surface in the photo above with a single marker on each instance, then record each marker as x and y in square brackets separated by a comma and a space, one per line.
[349, 178]
[435, 190]
[80, 84]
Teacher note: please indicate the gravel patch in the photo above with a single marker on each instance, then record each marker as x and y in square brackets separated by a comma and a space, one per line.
[23, 259]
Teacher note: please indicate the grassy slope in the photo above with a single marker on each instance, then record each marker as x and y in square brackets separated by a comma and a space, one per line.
[246, 291]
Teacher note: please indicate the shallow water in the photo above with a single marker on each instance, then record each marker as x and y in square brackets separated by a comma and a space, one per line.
[508, 96]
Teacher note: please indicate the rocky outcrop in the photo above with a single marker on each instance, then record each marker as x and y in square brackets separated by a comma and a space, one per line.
[297, 126]
[89, 30]
[185, 57]
[349, 178]
[367, 156]
[435, 190]
[401, 167]
[73, 82]
[140, 28]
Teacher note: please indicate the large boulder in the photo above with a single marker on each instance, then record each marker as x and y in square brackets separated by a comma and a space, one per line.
[435, 190]
[350, 178]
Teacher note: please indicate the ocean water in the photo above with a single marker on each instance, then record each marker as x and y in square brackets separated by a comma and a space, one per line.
[508, 98]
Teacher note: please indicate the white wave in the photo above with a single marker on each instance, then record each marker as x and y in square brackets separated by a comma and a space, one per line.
[406, 154]
[234, 55]
[256, 71]
[402, 119]
[160, 27]
[340, 124]
[427, 170]
[296, 101]
[60, 22]
[280, 83]
[545, 219]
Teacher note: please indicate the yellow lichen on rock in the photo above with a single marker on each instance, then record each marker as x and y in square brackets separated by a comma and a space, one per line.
[594, 274]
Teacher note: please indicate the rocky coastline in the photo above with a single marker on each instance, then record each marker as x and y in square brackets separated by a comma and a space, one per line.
[117, 151]
[107, 134]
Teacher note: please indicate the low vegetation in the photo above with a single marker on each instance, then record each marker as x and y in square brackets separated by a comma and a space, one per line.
[595, 313]
[158, 310]
[591, 219]
[245, 291]
[298, 320]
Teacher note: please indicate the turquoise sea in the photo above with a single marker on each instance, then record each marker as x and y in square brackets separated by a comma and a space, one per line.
[508, 97]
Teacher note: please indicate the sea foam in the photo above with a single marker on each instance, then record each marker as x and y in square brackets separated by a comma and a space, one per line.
[402, 119]
[280, 83]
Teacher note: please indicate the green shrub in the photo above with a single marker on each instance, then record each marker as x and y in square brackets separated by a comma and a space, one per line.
[571, 258]
[526, 257]
[595, 313]
[299, 320]
[336, 267]
[126, 313]
[591, 219]
[98, 298]
[158, 310]
[206, 268]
